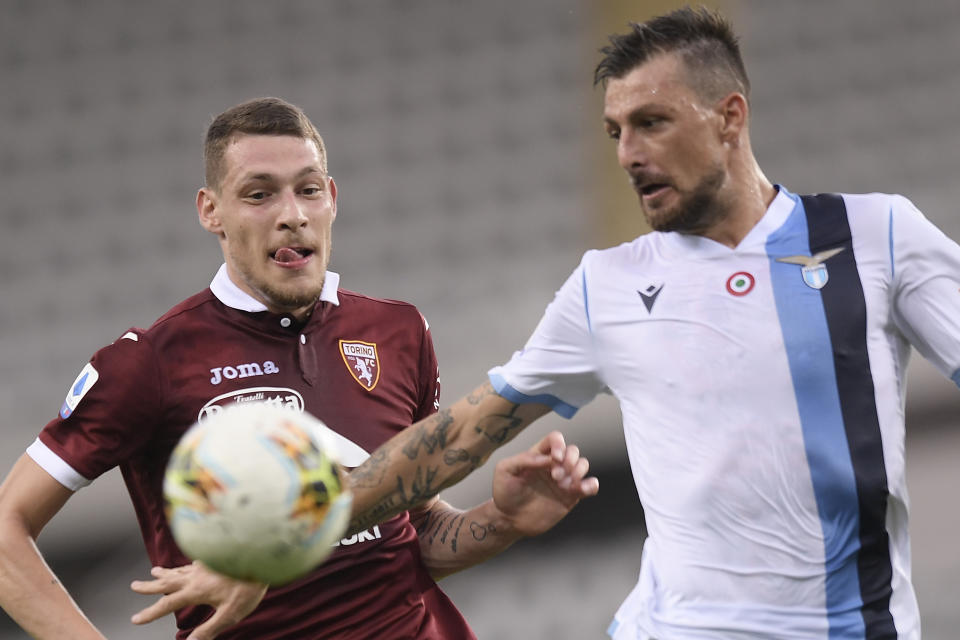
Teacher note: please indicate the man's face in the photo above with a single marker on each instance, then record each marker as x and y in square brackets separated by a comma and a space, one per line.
[669, 143]
[273, 212]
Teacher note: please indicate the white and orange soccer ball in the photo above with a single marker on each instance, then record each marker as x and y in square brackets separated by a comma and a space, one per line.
[255, 492]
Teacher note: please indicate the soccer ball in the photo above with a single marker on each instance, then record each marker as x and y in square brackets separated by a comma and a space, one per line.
[255, 492]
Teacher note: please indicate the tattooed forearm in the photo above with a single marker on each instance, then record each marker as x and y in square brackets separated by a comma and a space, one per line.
[479, 531]
[453, 457]
[443, 524]
[499, 427]
[432, 434]
[370, 473]
[399, 499]
[481, 392]
[422, 486]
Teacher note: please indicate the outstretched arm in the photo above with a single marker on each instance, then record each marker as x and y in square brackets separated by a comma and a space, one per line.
[406, 471]
[29, 592]
[532, 491]
[435, 453]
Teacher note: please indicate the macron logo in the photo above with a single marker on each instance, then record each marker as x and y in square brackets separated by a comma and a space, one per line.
[649, 296]
[246, 370]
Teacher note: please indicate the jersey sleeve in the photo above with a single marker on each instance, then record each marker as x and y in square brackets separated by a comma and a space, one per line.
[110, 411]
[926, 277]
[429, 383]
[557, 366]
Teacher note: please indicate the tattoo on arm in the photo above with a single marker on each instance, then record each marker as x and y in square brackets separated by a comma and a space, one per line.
[430, 436]
[370, 473]
[479, 531]
[445, 524]
[452, 457]
[499, 427]
[478, 394]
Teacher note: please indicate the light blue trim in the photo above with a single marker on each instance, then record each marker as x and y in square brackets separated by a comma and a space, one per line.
[612, 629]
[505, 390]
[809, 347]
[893, 270]
[956, 377]
[586, 300]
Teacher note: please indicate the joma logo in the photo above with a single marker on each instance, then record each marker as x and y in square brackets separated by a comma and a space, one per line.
[243, 371]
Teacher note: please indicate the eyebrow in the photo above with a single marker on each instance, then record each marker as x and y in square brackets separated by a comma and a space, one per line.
[267, 177]
[637, 112]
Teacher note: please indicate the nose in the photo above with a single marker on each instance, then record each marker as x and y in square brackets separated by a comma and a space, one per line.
[631, 152]
[291, 215]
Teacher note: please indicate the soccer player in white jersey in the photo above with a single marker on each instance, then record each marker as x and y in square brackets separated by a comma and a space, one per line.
[756, 342]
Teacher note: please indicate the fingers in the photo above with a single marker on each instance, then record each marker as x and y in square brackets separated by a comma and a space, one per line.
[166, 580]
[162, 607]
[242, 600]
[219, 621]
[552, 444]
[589, 486]
[517, 464]
[570, 475]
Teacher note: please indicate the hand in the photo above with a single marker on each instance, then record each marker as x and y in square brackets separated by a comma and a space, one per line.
[193, 584]
[537, 488]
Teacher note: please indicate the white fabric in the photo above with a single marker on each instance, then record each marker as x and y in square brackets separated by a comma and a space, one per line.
[233, 296]
[56, 467]
[712, 418]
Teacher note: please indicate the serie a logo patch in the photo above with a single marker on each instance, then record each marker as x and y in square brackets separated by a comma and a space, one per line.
[85, 380]
[362, 362]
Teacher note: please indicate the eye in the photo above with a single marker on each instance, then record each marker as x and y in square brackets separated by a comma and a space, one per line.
[312, 190]
[613, 134]
[257, 195]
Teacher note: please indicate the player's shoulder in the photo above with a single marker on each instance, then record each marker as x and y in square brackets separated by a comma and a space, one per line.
[646, 248]
[877, 203]
[396, 310]
[188, 306]
[134, 339]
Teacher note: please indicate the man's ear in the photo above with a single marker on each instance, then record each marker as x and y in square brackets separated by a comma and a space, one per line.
[734, 112]
[333, 194]
[207, 211]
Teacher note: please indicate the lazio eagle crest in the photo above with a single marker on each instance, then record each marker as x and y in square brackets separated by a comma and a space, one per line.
[814, 272]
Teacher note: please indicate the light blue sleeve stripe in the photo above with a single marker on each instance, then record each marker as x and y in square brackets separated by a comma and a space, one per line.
[505, 390]
[612, 629]
[956, 377]
[586, 301]
[893, 270]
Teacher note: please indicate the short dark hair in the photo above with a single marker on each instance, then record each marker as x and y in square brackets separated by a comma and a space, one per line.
[260, 116]
[704, 40]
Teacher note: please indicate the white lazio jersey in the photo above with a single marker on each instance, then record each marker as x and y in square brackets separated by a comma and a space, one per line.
[762, 396]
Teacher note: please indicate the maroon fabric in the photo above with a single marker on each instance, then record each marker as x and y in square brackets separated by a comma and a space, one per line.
[203, 353]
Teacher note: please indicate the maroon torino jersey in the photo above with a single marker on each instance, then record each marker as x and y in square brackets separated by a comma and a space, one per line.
[365, 367]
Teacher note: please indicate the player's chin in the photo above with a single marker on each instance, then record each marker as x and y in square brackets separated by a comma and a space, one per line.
[661, 219]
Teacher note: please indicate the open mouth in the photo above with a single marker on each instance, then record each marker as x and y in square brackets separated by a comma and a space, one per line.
[652, 189]
[291, 255]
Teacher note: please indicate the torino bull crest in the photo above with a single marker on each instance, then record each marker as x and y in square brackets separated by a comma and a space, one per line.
[362, 362]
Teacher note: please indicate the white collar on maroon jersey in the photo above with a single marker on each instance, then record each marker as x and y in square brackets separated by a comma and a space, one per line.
[233, 296]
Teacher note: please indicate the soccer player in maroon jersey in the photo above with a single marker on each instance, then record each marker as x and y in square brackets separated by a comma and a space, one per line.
[273, 327]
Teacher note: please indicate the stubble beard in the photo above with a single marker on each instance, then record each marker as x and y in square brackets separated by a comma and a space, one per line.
[288, 298]
[697, 211]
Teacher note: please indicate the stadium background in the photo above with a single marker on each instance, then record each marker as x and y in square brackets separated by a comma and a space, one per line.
[473, 172]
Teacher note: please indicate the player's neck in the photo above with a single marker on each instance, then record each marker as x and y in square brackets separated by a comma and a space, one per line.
[747, 201]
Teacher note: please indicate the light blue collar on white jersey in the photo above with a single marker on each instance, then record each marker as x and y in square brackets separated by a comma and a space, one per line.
[233, 296]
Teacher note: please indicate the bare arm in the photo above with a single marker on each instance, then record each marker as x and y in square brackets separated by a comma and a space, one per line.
[29, 591]
[532, 491]
[435, 453]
